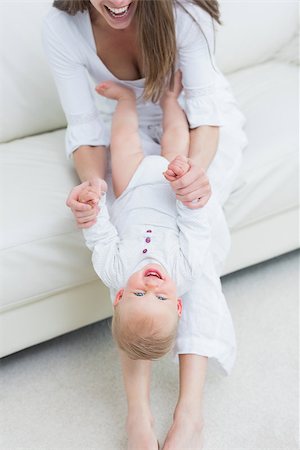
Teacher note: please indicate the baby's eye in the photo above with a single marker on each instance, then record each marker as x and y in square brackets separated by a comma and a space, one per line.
[139, 294]
[161, 297]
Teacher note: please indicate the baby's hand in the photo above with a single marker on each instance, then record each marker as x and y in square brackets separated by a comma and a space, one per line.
[177, 168]
[92, 193]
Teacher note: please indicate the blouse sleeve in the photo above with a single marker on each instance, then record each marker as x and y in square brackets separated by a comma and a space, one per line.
[194, 237]
[195, 42]
[85, 126]
[103, 240]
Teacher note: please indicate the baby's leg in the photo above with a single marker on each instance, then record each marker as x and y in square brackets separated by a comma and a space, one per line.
[175, 138]
[125, 146]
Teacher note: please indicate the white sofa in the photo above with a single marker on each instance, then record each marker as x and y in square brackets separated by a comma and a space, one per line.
[48, 286]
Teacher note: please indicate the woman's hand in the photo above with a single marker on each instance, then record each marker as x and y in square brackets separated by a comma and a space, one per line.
[86, 213]
[193, 189]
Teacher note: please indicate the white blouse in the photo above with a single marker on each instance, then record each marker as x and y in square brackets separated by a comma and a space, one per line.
[71, 52]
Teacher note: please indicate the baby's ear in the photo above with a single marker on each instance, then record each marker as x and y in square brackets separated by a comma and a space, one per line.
[179, 306]
[118, 297]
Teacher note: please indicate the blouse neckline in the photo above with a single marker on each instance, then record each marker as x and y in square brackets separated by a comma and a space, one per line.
[137, 83]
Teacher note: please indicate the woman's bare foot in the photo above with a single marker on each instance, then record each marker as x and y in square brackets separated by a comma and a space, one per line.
[140, 431]
[177, 168]
[115, 91]
[186, 433]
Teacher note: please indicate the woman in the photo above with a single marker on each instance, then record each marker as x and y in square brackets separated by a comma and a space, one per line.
[140, 43]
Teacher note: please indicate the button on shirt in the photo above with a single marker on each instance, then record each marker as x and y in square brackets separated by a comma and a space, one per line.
[148, 207]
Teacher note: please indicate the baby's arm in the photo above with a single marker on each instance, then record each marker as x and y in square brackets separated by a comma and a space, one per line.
[194, 236]
[103, 240]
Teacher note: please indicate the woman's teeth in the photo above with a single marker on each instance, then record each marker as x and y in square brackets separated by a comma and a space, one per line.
[118, 12]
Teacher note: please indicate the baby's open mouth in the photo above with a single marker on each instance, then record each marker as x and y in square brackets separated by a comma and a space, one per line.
[153, 273]
[118, 12]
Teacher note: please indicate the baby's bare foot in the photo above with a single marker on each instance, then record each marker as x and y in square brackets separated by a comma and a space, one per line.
[185, 433]
[89, 196]
[92, 193]
[141, 435]
[177, 168]
[115, 91]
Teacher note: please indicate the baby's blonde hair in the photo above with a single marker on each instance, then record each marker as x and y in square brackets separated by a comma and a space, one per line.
[150, 344]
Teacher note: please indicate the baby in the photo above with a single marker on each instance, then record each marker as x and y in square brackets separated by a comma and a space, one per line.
[151, 247]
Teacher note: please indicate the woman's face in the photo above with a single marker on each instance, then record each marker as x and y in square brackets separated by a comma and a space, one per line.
[117, 13]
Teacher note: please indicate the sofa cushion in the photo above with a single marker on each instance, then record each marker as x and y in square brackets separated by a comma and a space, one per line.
[252, 32]
[41, 250]
[26, 86]
[289, 53]
[268, 182]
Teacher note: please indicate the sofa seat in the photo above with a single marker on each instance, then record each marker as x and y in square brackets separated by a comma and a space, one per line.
[42, 251]
[48, 284]
[268, 181]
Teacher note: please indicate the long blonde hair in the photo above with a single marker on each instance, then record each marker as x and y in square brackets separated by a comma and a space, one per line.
[155, 35]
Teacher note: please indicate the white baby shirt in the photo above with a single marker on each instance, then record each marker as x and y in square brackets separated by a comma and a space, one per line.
[147, 225]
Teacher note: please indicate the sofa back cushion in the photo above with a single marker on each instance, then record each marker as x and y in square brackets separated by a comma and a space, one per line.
[252, 32]
[29, 102]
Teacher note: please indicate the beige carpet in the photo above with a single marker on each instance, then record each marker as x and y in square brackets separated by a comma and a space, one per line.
[67, 394]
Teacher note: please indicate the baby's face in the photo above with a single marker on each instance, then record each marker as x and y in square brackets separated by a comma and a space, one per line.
[153, 289]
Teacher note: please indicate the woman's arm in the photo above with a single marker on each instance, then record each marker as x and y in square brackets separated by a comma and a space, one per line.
[86, 137]
[193, 189]
[195, 41]
[203, 145]
[90, 162]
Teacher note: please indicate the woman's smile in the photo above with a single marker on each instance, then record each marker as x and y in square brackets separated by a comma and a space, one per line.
[117, 14]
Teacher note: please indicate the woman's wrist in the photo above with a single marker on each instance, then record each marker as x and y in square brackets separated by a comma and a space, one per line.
[203, 145]
[90, 162]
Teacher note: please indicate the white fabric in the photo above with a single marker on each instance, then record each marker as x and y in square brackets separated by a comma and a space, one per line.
[208, 90]
[203, 83]
[289, 53]
[268, 181]
[266, 187]
[253, 31]
[178, 236]
[29, 100]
